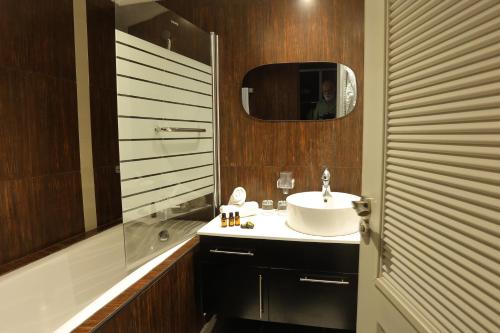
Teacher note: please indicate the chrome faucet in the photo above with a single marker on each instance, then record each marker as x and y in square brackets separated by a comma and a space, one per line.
[326, 185]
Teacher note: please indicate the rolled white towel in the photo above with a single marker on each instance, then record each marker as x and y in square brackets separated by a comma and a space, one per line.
[238, 197]
[247, 209]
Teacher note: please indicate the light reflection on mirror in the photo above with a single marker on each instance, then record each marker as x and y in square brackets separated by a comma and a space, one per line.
[299, 91]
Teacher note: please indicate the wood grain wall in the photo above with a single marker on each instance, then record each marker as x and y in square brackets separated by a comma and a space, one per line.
[165, 300]
[259, 32]
[103, 108]
[40, 183]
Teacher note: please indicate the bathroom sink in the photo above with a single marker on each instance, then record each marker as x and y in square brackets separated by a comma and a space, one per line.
[309, 214]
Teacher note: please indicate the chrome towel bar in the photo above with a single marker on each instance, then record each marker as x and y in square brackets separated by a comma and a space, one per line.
[179, 129]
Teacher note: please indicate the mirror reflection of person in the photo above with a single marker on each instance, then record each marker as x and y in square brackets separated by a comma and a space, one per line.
[326, 107]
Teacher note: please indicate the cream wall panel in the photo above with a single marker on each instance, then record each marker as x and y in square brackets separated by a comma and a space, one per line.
[437, 40]
[489, 192]
[419, 16]
[453, 67]
[416, 63]
[490, 152]
[468, 82]
[454, 128]
[457, 105]
[441, 207]
[454, 170]
[464, 139]
[470, 225]
[489, 89]
[420, 80]
[447, 118]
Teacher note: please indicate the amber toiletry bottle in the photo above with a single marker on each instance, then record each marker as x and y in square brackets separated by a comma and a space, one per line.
[223, 220]
[231, 219]
[237, 219]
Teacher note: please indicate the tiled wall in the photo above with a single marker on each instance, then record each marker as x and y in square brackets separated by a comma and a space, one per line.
[40, 182]
[102, 75]
[255, 33]
[40, 185]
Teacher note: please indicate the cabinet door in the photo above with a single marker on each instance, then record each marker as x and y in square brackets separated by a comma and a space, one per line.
[235, 291]
[304, 298]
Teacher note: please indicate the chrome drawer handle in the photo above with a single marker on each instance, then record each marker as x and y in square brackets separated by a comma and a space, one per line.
[249, 254]
[179, 129]
[306, 279]
[261, 309]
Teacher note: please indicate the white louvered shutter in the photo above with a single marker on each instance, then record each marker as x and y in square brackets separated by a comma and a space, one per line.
[441, 223]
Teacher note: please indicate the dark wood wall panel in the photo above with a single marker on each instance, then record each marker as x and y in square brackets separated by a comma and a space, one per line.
[104, 115]
[168, 305]
[101, 43]
[37, 36]
[255, 33]
[165, 300]
[40, 186]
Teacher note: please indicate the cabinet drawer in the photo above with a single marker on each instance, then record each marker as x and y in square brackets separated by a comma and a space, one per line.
[308, 298]
[314, 256]
[281, 254]
[239, 251]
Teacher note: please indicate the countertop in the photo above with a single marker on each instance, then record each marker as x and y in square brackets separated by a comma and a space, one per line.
[271, 227]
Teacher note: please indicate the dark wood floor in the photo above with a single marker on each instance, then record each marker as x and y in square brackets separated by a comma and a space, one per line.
[250, 326]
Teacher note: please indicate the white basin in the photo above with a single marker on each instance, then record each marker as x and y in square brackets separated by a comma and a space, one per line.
[309, 214]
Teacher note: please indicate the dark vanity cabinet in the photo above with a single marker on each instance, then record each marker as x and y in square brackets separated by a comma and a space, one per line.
[234, 277]
[313, 284]
[235, 291]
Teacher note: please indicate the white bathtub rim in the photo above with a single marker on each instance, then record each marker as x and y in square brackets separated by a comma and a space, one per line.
[48, 258]
[116, 290]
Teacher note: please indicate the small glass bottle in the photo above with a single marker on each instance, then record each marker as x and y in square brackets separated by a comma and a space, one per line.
[237, 219]
[231, 219]
[223, 220]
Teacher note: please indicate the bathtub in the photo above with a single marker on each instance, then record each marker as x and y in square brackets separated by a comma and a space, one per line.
[60, 291]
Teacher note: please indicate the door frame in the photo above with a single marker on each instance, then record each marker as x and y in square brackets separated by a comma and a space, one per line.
[373, 159]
